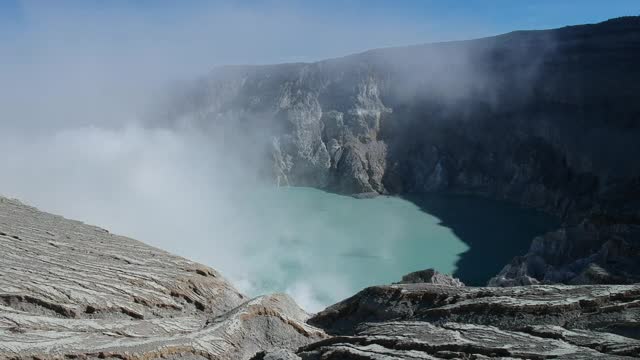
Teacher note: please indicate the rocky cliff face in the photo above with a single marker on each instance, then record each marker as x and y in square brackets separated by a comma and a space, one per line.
[70, 290]
[584, 254]
[547, 119]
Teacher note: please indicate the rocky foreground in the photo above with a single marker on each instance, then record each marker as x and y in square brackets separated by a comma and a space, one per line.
[430, 321]
[70, 290]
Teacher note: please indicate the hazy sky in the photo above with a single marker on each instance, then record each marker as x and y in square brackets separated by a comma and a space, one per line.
[105, 56]
[204, 33]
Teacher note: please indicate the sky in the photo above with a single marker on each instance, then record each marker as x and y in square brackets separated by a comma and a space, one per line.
[76, 74]
[207, 33]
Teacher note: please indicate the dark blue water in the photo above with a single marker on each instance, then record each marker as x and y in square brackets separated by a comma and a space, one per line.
[494, 231]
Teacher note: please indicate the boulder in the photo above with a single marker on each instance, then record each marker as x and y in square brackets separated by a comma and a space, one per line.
[431, 276]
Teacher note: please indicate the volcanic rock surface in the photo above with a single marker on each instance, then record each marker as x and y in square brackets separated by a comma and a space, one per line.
[428, 321]
[72, 290]
[431, 276]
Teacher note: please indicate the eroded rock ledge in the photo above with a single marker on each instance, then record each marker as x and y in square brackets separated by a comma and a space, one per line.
[70, 290]
[429, 321]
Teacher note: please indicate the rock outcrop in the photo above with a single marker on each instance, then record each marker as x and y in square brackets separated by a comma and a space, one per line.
[70, 290]
[416, 340]
[608, 308]
[426, 321]
[430, 276]
[548, 119]
[583, 254]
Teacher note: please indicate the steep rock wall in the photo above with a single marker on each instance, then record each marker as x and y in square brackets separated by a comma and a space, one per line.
[548, 119]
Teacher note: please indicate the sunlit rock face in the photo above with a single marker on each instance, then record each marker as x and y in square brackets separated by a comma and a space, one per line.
[548, 119]
[70, 290]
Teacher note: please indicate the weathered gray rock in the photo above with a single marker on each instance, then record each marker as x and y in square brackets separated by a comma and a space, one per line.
[596, 307]
[426, 321]
[72, 290]
[64, 268]
[262, 323]
[278, 354]
[431, 276]
[419, 340]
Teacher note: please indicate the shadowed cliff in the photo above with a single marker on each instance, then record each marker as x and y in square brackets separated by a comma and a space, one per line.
[546, 119]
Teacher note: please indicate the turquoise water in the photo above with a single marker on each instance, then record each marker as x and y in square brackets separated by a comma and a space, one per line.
[321, 247]
[326, 246]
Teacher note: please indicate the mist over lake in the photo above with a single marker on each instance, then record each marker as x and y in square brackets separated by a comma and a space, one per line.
[169, 190]
[321, 247]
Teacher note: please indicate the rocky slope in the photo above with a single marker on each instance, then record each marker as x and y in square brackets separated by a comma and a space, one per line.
[70, 290]
[430, 321]
[583, 254]
[548, 119]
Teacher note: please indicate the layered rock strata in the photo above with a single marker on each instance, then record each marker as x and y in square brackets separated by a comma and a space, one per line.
[70, 290]
[427, 321]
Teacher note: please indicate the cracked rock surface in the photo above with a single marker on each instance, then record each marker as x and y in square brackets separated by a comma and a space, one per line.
[427, 321]
[72, 290]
